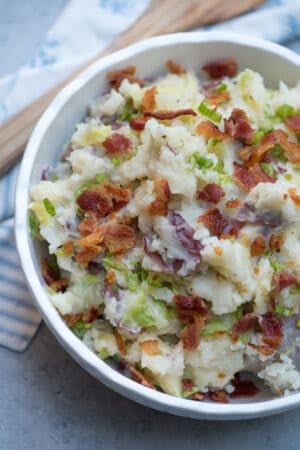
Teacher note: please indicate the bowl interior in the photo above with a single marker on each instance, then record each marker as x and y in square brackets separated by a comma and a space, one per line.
[57, 125]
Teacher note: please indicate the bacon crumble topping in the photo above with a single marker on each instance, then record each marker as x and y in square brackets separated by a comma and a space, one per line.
[238, 127]
[212, 193]
[159, 206]
[117, 145]
[221, 68]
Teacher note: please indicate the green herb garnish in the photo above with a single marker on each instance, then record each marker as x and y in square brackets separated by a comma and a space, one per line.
[49, 207]
[206, 111]
[258, 136]
[79, 329]
[276, 266]
[285, 111]
[221, 87]
[282, 311]
[100, 177]
[116, 161]
[34, 225]
[202, 162]
[268, 169]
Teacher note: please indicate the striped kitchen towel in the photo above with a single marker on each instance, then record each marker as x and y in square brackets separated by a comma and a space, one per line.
[96, 23]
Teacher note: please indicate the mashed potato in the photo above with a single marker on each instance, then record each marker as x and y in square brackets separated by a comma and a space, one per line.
[172, 228]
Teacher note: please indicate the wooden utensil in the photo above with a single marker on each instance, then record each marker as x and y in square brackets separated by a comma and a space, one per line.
[161, 17]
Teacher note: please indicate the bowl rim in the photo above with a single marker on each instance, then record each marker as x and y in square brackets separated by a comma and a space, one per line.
[84, 356]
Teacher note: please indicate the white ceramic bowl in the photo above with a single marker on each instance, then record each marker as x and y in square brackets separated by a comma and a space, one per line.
[53, 130]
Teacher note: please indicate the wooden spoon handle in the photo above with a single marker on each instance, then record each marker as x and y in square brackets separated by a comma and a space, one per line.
[163, 16]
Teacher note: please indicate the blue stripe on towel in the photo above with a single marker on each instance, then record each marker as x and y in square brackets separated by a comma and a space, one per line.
[19, 318]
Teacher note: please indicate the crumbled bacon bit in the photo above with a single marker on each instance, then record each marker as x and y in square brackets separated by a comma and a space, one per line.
[187, 384]
[194, 311]
[115, 77]
[283, 280]
[276, 242]
[258, 246]
[118, 237]
[198, 396]
[85, 255]
[294, 196]
[59, 285]
[234, 203]
[49, 273]
[222, 68]
[248, 177]
[91, 315]
[271, 326]
[219, 396]
[217, 224]
[188, 304]
[168, 115]
[72, 319]
[212, 193]
[151, 347]
[245, 323]
[174, 67]
[209, 130]
[148, 100]
[190, 335]
[159, 206]
[110, 277]
[265, 350]
[104, 199]
[243, 388]
[293, 122]
[217, 98]
[117, 145]
[139, 377]
[90, 200]
[121, 343]
[138, 123]
[237, 126]
[68, 248]
[252, 155]
[87, 225]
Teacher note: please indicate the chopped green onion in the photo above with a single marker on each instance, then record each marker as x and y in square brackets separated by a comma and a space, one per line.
[155, 282]
[206, 111]
[49, 207]
[79, 329]
[104, 353]
[258, 136]
[54, 178]
[202, 162]
[141, 272]
[282, 311]
[100, 177]
[276, 266]
[278, 153]
[288, 176]
[90, 279]
[285, 111]
[298, 323]
[34, 225]
[187, 394]
[127, 113]
[221, 87]
[244, 337]
[83, 188]
[268, 169]
[116, 161]
[294, 290]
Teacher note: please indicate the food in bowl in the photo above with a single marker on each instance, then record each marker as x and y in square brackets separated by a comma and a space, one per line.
[172, 228]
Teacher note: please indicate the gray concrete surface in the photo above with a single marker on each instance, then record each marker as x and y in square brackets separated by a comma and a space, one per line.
[48, 402]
